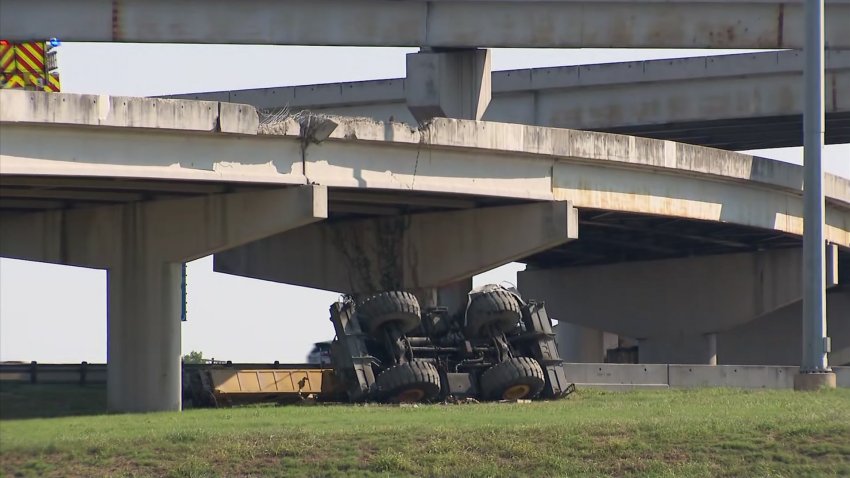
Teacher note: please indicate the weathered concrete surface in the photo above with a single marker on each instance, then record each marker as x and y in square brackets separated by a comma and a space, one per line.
[711, 101]
[670, 298]
[616, 374]
[575, 342]
[448, 84]
[814, 381]
[440, 23]
[775, 338]
[688, 376]
[689, 348]
[403, 252]
[591, 170]
[740, 376]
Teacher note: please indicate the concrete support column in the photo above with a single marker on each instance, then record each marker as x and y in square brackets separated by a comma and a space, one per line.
[577, 344]
[679, 349]
[143, 333]
[448, 83]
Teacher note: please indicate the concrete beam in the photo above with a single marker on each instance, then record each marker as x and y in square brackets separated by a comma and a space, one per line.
[448, 84]
[720, 101]
[436, 23]
[406, 252]
[670, 298]
[196, 227]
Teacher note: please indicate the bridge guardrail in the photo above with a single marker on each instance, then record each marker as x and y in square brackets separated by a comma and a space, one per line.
[93, 373]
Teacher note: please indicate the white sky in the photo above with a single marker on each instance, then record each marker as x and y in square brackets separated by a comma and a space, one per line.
[56, 313]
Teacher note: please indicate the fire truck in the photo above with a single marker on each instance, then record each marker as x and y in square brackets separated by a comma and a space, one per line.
[29, 65]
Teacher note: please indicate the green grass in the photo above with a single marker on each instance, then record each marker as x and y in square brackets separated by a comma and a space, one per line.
[712, 432]
[24, 400]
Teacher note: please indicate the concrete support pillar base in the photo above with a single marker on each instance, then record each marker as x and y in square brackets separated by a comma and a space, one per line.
[814, 381]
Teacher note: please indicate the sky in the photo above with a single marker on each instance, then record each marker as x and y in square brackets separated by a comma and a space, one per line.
[53, 313]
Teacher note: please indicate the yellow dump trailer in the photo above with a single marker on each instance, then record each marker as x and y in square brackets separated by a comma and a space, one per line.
[225, 386]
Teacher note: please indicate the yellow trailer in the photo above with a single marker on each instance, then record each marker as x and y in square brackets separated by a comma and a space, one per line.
[224, 386]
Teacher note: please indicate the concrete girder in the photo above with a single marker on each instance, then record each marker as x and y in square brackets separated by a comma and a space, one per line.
[142, 245]
[411, 252]
[675, 297]
[435, 23]
[448, 84]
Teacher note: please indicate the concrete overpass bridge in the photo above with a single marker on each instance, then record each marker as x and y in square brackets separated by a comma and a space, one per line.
[736, 102]
[430, 23]
[620, 233]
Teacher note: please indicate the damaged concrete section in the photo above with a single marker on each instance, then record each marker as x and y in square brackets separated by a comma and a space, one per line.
[404, 252]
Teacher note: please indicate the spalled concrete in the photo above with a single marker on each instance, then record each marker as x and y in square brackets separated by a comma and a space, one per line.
[416, 251]
[591, 170]
[718, 101]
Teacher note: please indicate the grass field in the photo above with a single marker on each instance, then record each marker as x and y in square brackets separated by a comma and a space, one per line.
[648, 433]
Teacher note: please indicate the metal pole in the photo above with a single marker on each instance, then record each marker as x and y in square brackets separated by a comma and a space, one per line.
[814, 295]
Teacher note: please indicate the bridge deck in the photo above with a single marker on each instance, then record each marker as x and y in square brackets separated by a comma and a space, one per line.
[638, 198]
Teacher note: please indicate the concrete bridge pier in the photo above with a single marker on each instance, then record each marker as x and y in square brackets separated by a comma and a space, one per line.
[142, 245]
[452, 83]
[580, 344]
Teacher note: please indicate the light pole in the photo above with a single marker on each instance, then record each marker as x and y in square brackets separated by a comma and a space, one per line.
[814, 370]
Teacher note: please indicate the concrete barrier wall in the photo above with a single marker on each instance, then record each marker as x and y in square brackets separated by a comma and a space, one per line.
[616, 374]
[601, 375]
[745, 376]
[610, 376]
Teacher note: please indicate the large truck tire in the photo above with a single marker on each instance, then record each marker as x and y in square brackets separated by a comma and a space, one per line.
[409, 382]
[497, 309]
[399, 308]
[513, 379]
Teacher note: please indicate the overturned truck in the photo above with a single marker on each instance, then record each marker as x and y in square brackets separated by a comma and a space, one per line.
[388, 349]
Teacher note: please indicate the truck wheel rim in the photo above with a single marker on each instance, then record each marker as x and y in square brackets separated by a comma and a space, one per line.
[515, 392]
[412, 395]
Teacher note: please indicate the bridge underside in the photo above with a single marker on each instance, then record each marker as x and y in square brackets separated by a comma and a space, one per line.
[741, 134]
[605, 237]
